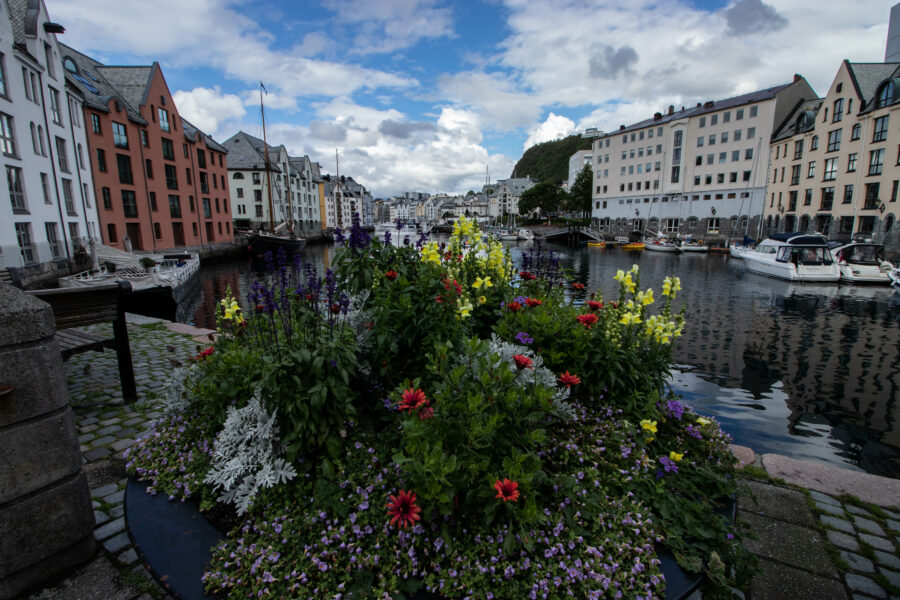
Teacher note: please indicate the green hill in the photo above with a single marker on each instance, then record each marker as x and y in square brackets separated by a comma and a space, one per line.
[550, 161]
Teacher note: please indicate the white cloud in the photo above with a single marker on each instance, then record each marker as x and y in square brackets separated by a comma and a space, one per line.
[554, 127]
[209, 109]
[389, 25]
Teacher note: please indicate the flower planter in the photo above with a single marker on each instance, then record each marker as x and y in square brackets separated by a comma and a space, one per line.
[174, 540]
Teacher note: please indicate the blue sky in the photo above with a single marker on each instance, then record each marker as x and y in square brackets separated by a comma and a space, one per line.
[423, 95]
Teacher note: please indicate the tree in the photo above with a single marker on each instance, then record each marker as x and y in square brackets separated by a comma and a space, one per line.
[544, 196]
[580, 191]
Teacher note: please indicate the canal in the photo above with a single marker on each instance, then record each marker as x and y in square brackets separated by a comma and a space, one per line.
[807, 371]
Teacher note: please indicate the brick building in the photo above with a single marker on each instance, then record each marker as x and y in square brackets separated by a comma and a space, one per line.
[160, 182]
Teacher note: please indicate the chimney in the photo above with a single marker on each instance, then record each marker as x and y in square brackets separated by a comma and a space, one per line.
[657, 116]
[797, 77]
[621, 127]
[699, 105]
[709, 104]
[671, 110]
[682, 109]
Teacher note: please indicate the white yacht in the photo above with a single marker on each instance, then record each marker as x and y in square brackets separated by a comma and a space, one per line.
[793, 256]
[693, 245]
[862, 262]
[661, 245]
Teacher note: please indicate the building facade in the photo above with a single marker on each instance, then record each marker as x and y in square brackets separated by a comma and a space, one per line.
[835, 161]
[695, 172]
[50, 218]
[577, 162]
[160, 182]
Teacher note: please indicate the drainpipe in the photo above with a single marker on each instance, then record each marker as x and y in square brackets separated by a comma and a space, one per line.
[859, 168]
[62, 220]
[143, 165]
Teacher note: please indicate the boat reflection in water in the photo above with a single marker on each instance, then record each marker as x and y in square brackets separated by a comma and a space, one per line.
[810, 371]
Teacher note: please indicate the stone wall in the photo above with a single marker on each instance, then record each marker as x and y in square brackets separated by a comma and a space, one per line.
[47, 274]
[45, 506]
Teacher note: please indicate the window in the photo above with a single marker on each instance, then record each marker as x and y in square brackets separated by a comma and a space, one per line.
[894, 191]
[74, 111]
[163, 119]
[702, 121]
[872, 190]
[735, 155]
[148, 167]
[838, 112]
[879, 134]
[851, 162]
[753, 111]
[52, 239]
[848, 194]
[187, 174]
[145, 139]
[45, 188]
[732, 178]
[713, 119]
[855, 132]
[201, 158]
[153, 205]
[724, 137]
[748, 154]
[204, 181]
[7, 136]
[712, 139]
[16, 189]
[885, 95]
[101, 160]
[120, 135]
[834, 140]
[26, 248]
[107, 199]
[807, 197]
[746, 176]
[700, 141]
[811, 169]
[168, 149]
[112, 238]
[207, 211]
[751, 132]
[798, 149]
[876, 161]
[191, 203]
[830, 169]
[846, 225]
[814, 143]
[184, 148]
[792, 200]
[737, 135]
[129, 204]
[55, 113]
[720, 178]
[69, 197]
[123, 161]
[95, 123]
[174, 207]
[34, 139]
[3, 90]
[827, 198]
[157, 231]
[171, 177]
[723, 156]
[79, 154]
[795, 174]
[62, 155]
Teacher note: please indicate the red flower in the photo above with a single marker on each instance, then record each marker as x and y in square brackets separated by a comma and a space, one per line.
[335, 309]
[578, 286]
[522, 361]
[615, 304]
[587, 319]
[260, 308]
[426, 413]
[507, 490]
[568, 380]
[403, 510]
[412, 400]
[526, 275]
[532, 302]
[594, 305]
[208, 351]
[391, 275]
[514, 306]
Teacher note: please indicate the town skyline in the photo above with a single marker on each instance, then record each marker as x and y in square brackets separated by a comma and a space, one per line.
[424, 95]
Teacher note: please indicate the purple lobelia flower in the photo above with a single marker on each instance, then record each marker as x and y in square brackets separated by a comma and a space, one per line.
[523, 338]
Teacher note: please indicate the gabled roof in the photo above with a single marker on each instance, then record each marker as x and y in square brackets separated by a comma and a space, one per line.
[246, 153]
[867, 77]
[193, 133]
[94, 85]
[794, 124]
[132, 83]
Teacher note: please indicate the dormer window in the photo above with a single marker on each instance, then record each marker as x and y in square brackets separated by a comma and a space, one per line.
[69, 65]
[885, 95]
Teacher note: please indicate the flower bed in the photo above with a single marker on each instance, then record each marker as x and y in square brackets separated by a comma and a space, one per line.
[431, 418]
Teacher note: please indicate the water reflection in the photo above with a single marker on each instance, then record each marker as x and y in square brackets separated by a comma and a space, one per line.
[808, 371]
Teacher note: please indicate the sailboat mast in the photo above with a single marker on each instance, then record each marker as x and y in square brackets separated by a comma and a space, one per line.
[266, 148]
[338, 191]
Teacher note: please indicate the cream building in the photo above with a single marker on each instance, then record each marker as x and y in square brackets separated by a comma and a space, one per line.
[698, 172]
[835, 163]
[576, 163]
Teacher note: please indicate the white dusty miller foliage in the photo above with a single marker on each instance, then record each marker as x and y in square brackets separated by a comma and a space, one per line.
[538, 374]
[359, 320]
[246, 456]
[176, 396]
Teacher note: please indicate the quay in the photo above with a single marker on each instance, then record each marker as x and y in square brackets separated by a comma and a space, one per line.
[821, 532]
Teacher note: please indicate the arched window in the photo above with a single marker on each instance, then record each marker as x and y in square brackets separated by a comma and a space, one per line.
[885, 95]
[804, 223]
[238, 176]
[743, 224]
[692, 223]
[40, 130]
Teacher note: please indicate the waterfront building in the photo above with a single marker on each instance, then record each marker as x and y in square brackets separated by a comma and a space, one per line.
[315, 170]
[834, 168]
[159, 181]
[344, 199]
[699, 171]
[577, 162]
[50, 218]
[251, 176]
[304, 193]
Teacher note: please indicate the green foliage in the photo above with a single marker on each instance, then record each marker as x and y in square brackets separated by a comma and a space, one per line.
[579, 200]
[547, 197]
[225, 378]
[549, 161]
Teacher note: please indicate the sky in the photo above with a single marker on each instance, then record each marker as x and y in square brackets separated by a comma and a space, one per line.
[434, 96]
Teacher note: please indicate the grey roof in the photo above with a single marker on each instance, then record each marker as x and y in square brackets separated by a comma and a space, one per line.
[794, 125]
[702, 109]
[132, 83]
[23, 16]
[867, 76]
[193, 133]
[246, 153]
[90, 70]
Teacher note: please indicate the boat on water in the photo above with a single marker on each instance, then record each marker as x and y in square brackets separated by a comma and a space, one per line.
[261, 243]
[596, 244]
[793, 256]
[506, 235]
[633, 246]
[894, 276]
[693, 245]
[524, 235]
[862, 262]
[737, 250]
[661, 245]
[399, 233]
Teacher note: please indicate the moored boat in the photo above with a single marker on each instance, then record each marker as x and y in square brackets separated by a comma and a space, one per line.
[862, 262]
[737, 250]
[596, 244]
[524, 234]
[633, 246]
[661, 245]
[693, 245]
[793, 256]
[261, 243]
[894, 276]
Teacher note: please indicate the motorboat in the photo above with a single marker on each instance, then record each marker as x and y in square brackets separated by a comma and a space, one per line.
[736, 250]
[596, 244]
[894, 276]
[661, 245]
[399, 232]
[862, 262]
[507, 235]
[524, 234]
[693, 245]
[793, 256]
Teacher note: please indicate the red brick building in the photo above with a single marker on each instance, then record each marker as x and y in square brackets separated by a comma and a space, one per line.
[158, 179]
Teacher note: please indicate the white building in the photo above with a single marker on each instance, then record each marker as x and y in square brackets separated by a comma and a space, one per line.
[304, 193]
[341, 202]
[698, 171]
[577, 162]
[51, 214]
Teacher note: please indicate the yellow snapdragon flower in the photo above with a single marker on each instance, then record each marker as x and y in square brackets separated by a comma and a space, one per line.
[630, 318]
[675, 456]
[648, 425]
[703, 421]
[486, 282]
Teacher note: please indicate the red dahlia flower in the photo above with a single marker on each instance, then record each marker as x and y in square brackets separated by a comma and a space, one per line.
[587, 319]
[594, 305]
[412, 400]
[391, 275]
[403, 510]
[335, 309]
[578, 286]
[527, 276]
[522, 361]
[514, 306]
[426, 413]
[507, 490]
[532, 302]
[568, 379]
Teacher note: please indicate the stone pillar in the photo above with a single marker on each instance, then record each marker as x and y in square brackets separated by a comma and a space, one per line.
[46, 516]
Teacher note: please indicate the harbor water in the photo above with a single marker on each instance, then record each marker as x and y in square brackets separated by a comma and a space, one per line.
[807, 371]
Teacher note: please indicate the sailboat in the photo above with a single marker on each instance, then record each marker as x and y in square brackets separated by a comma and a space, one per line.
[263, 242]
